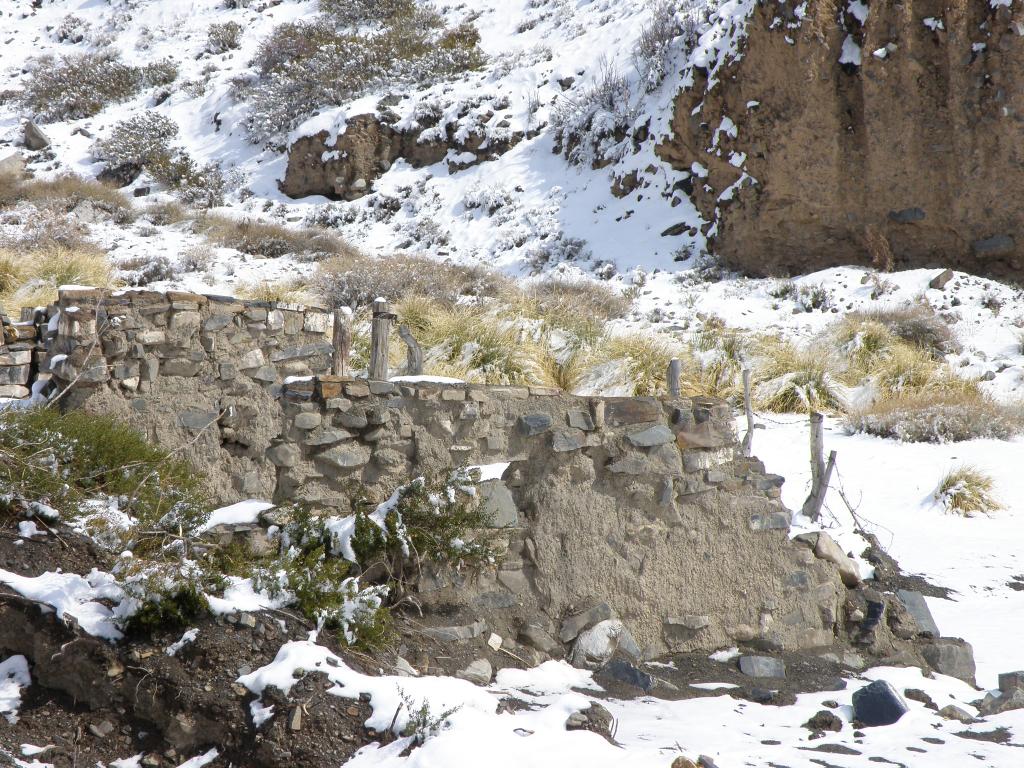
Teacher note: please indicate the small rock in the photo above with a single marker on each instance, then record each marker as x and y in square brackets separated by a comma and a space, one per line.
[247, 620]
[101, 730]
[939, 281]
[824, 721]
[623, 671]
[478, 673]
[534, 424]
[295, 719]
[573, 625]
[878, 704]
[916, 694]
[595, 646]
[762, 666]
[494, 642]
[953, 712]
[1011, 681]
[116, 669]
[35, 139]
[653, 436]
[683, 762]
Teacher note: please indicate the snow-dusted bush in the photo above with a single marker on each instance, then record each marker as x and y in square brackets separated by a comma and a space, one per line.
[157, 73]
[223, 37]
[79, 85]
[72, 29]
[669, 20]
[591, 125]
[557, 248]
[138, 271]
[919, 325]
[146, 141]
[932, 416]
[354, 282]
[307, 65]
[487, 197]
[269, 240]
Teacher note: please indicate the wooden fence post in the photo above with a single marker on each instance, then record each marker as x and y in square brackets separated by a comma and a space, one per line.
[821, 472]
[342, 339]
[414, 353]
[380, 331]
[748, 408]
[675, 370]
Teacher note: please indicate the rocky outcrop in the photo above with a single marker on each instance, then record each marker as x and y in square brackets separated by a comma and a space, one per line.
[346, 167]
[906, 123]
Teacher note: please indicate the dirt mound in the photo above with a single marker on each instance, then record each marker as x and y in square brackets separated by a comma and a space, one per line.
[898, 119]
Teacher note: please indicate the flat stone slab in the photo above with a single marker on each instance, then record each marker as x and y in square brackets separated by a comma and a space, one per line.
[918, 608]
[534, 424]
[648, 438]
[762, 666]
[573, 625]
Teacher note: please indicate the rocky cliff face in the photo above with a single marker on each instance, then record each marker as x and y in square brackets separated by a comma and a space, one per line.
[902, 119]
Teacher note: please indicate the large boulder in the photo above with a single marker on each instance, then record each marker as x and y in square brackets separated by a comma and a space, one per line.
[878, 704]
[35, 139]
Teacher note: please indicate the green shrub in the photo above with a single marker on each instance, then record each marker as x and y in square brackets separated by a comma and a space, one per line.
[173, 606]
[65, 459]
[79, 85]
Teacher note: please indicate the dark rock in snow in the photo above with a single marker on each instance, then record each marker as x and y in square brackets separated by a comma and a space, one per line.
[878, 704]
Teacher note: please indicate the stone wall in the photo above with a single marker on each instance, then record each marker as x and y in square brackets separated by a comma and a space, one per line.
[644, 504]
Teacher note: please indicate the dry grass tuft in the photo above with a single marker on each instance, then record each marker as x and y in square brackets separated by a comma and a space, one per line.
[581, 307]
[645, 357]
[878, 248]
[293, 291]
[65, 192]
[918, 325]
[966, 491]
[789, 379]
[272, 241]
[39, 277]
[354, 280]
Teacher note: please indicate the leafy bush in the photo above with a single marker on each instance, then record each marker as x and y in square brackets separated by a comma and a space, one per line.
[966, 491]
[64, 459]
[345, 52]
[938, 416]
[223, 37]
[79, 85]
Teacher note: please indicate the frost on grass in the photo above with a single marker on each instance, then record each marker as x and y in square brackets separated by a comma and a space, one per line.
[967, 491]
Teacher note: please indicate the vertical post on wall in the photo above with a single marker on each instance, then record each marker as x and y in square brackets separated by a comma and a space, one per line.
[675, 370]
[748, 408]
[342, 339]
[380, 331]
[414, 356]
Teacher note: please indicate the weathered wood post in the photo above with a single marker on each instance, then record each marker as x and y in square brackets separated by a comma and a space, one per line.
[748, 408]
[380, 331]
[675, 370]
[342, 340]
[821, 472]
[414, 353]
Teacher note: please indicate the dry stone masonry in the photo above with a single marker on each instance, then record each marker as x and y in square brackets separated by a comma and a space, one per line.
[630, 521]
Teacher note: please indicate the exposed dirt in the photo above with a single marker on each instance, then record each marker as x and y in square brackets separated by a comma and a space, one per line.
[919, 143]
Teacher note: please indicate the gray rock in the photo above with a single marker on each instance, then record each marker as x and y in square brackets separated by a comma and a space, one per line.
[997, 245]
[328, 437]
[35, 139]
[573, 625]
[596, 646]
[918, 608]
[939, 281]
[284, 455]
[1011, 681]
[344, 457]
[197, 419]
[951, 656]
[351, 420]
[953, 712]
[567, 440]
[295, 719]
[478, 673]
[15, 391]
[580, 420]
[878, 704]
[534, 424]
[101, 730]
[309, 420]
[996, 702]
[539, 638]
[762, 666]
[624, 671]
[456, 633]
[301, 352]
[770, 521]
[656, 435]
[497, 502]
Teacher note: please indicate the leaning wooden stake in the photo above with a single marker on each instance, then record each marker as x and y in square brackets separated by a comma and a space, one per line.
[380, 332]
[675, 370]
[414, 353]
[821, 472]
[748, 438]
[342, 340]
